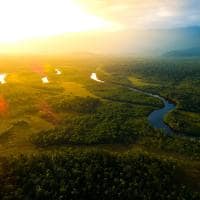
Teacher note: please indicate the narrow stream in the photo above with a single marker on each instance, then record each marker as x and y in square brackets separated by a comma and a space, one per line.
[156, 117]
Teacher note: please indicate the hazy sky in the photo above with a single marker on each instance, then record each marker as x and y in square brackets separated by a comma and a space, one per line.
[59, 26]
[147, 13]
[24, 19]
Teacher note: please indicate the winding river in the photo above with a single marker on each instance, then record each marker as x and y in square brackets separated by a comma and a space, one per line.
[156, 117]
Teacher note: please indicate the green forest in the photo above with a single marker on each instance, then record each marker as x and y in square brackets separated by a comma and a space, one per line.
[77, 138]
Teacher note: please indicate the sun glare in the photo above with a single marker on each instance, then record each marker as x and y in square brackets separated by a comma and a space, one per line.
[25, 19]
[58, 72]
[45, 80]
[94, 77]
[2, 78]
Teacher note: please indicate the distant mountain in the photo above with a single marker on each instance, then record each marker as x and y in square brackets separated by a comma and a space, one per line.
[146, 42]
[191, 52]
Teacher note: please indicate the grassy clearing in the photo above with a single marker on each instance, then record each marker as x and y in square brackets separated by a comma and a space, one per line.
[184, 122]
[76, 89]
[139, 82]
[26, 103]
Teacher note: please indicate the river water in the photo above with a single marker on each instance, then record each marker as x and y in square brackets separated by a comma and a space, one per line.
[156, 117]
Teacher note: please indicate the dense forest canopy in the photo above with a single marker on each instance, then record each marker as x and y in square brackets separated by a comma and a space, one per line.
[83, 139]
[91, 175]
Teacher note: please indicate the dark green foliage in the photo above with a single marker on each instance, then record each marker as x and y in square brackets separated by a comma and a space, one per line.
[117, 118]
[118, 93]
[112, 123]
[118, 115]
[79, 104]
[177, 144]
[91, 175]
[178, 80]
[184, 122]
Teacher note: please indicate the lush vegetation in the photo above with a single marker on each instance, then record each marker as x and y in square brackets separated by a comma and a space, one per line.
[91, 175]
[177, 80]
[62, 128]
[97, 122]
[176, 144]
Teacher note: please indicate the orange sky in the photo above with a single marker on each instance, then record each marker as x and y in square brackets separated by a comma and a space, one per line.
[25, 19]
[54, 26]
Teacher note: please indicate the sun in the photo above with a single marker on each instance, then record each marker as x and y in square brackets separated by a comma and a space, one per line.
[24, 19]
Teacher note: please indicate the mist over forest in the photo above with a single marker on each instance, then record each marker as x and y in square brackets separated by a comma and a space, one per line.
[146, 42]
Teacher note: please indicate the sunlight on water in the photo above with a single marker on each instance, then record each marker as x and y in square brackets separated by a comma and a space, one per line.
[45, 80]
[58, 72]
[94, 77]
[2, 78]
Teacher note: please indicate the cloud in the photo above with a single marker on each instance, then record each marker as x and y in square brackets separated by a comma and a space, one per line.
[146, 13]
